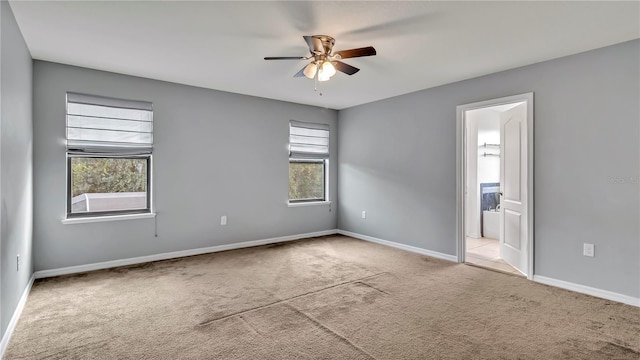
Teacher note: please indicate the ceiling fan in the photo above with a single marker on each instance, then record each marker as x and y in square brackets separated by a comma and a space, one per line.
[324, 62]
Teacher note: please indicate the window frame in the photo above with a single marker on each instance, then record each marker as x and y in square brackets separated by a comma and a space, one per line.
[95, 214]
[325, 178]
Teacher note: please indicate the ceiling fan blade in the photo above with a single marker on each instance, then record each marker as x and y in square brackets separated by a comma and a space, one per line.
[345, 68]
[285, 58]
[351, 53]
[301, 72]
[315, 44]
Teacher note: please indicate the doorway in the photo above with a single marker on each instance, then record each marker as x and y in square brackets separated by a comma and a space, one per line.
[495, 184]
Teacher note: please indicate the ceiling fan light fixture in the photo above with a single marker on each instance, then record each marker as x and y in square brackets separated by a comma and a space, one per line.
[310, 70]
[323, 76]
[327, 70]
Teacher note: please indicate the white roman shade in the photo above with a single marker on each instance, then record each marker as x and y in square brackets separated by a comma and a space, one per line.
[308, 140]
[98, 124]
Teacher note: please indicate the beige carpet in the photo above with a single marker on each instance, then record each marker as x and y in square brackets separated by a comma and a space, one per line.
[324, 298]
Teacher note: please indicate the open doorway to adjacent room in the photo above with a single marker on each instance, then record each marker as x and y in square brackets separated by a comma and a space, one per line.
[494, 185]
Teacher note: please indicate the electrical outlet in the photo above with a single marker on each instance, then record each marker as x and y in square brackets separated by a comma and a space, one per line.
[18, 262]
[223, 220]
[364, 214]
[588, 250]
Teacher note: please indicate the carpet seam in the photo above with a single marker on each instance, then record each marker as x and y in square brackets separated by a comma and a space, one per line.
[66, 350]
[249, 325]
[371, 286]
[317, 322]
[207, 322]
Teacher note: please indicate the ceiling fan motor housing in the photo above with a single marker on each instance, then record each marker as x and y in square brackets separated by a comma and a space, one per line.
[327, 44]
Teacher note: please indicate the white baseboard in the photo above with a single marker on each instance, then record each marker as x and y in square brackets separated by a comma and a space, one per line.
[172, 255]
[604, 294]
[14, 318]
[414, 249]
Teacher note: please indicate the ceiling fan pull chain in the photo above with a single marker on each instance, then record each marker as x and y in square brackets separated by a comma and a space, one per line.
[315, 84]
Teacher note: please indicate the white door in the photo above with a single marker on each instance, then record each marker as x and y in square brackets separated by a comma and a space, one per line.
[513, 187]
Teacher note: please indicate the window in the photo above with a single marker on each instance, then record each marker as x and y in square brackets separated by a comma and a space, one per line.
[109, 149]
[306, 180]
[308, 157]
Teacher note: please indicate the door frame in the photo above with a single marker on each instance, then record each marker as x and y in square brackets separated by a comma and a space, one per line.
[461, 151]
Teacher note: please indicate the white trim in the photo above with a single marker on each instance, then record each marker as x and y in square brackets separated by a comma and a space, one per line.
[171, 255]
[460, 171]
[93, 219]
[16, 315]
[396, 245]
[309, 203]
[460, 183]
[604, 294]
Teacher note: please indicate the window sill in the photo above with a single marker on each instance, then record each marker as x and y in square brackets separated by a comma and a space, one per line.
[92, 219]
[310, 203]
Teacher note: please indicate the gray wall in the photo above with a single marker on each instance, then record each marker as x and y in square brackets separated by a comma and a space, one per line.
[397, 161]
[215, 154]
[16, 204]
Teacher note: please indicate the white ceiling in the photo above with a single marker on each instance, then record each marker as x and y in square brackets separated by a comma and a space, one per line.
[221, 45]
